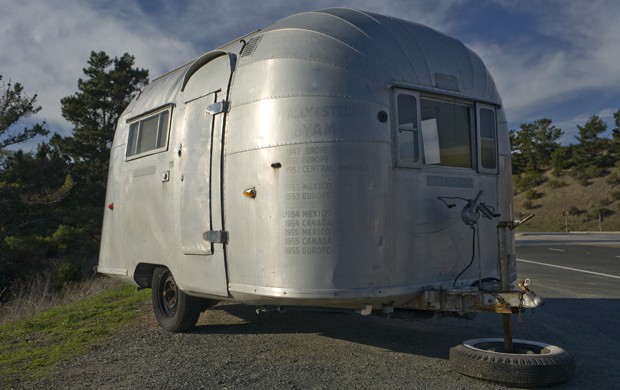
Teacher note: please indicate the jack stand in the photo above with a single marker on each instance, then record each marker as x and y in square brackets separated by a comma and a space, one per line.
[503, 227]
[521, 363]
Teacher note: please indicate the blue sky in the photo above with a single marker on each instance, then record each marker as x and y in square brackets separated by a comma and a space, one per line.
[550, 59]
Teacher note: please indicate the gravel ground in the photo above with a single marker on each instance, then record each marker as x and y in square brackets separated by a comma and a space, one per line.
[234, 348]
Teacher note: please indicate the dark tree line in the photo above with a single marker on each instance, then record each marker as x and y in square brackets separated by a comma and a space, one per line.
[51, 200]
[536, 149]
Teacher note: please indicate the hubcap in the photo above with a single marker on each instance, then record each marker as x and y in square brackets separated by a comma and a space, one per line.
[169, 295]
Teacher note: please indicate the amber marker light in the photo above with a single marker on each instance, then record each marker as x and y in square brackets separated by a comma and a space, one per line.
[250, 192]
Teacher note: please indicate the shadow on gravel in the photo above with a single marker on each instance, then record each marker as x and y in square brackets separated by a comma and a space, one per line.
[425, 336]
[586, 328]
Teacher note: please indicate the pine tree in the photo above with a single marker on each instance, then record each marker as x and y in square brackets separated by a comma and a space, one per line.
[24, 184]
[615, 133]
[533, 145]
[32, 189]
[591, 156]
[93, 110]
[15, 106]
[590, 148]
[545, 141]
[532, 149]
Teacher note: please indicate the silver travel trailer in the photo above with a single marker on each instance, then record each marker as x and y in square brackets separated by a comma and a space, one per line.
[335, 159]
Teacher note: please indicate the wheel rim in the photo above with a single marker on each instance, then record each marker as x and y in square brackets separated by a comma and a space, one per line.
[521, 347]
[168, 295]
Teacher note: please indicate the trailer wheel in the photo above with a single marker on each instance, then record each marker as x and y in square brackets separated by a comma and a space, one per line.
[532, 364]
[174, 310]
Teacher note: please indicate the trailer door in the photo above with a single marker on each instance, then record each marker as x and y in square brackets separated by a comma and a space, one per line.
[201, 223]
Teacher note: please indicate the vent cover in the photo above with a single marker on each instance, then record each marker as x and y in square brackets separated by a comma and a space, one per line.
[249, 47]
[445, 81]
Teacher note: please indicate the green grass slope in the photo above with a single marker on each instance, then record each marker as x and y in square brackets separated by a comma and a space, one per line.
[30, 347]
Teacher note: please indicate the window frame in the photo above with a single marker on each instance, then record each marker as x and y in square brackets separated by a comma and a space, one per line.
[162, 133]
[480, 138]
[417, 137]
[475, 135]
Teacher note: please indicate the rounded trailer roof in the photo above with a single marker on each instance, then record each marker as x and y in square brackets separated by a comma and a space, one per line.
[388, 50]
[383, 50]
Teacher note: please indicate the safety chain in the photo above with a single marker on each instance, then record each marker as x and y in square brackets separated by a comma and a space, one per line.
[503, 302]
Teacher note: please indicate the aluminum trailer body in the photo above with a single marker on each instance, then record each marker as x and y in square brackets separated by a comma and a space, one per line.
[316, 163]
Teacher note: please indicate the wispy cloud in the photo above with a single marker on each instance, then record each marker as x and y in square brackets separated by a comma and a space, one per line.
[46, 44]
[580, 53]
[552, 53]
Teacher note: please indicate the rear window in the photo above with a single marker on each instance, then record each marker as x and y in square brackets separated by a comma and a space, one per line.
[446, 133]
[434, 130]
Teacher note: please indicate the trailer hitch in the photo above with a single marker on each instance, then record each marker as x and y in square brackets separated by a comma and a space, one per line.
[498, 301]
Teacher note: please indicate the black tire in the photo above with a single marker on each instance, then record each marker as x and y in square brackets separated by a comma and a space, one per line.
[532, 364]
[174, 310]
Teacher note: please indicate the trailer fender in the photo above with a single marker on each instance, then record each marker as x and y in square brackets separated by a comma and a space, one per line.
[143, 274]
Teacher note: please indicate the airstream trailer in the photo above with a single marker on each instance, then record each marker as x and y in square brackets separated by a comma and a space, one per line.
[335, 159]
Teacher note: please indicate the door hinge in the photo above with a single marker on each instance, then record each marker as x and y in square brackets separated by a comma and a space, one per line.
[215, 236]
[218, 107]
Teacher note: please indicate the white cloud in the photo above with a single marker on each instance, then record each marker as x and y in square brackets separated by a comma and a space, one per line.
[580, 52]
[46, 44]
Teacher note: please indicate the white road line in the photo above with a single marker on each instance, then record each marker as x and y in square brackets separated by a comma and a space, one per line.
[570, 269]
[557, 250]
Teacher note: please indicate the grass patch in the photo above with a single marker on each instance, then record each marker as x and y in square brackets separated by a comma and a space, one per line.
[30, 347]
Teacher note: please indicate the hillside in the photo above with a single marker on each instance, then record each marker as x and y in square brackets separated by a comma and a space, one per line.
[583, 204]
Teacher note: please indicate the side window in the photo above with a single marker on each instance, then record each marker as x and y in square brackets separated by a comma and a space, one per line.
[446, 133]
[407, 136]
[487, 127]
[148, 135]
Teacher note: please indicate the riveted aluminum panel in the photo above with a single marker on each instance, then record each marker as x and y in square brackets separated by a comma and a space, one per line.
[310, 126]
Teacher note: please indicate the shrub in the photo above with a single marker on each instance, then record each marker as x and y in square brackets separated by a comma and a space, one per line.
[584, 174]
[528, 180]
[603, 212]
[66, 273]
[613, 179]
[575, 211]
[584, 181]
[529, 204]
[533, 195]
[557, 184]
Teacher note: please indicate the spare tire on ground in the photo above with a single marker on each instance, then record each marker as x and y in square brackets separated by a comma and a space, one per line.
[532, 364]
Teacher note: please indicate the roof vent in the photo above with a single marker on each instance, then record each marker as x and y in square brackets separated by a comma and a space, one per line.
[444, 81]
[249, 47]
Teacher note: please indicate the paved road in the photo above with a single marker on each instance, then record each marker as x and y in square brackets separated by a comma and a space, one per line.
[579, 277]
[571, 266]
